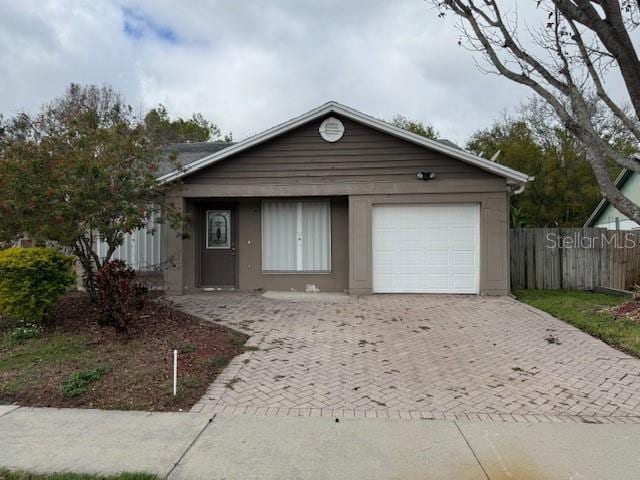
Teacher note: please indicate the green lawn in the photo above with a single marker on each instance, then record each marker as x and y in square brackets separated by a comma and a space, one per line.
[13, 475]
[588, 312]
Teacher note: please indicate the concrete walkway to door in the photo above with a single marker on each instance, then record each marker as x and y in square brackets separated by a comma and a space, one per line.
[415, 356]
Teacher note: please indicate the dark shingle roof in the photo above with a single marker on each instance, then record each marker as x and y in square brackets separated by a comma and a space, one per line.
[187, 153]
[448, 143]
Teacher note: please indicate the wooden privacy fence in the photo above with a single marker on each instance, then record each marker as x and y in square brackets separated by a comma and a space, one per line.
[574, 258]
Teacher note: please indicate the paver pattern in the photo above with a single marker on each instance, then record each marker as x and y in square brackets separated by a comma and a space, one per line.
[404, 356]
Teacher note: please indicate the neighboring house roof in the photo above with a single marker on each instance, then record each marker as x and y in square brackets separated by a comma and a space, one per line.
[187, 153]
[624, 175]
[444, 147]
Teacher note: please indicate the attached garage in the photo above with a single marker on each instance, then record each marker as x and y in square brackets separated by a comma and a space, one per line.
[426, 248]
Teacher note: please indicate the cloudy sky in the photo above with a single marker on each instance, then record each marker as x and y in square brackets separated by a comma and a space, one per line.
[248, 65]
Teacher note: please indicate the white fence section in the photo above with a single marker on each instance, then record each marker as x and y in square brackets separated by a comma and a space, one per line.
[141, 250]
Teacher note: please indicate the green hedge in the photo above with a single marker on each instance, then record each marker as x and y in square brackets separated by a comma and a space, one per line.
[31, 280]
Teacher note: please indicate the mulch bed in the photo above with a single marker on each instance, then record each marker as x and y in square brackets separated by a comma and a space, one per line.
[139, 364]
[629, 310]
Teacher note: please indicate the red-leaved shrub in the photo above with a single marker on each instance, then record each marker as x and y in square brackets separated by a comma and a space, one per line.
[120, 296]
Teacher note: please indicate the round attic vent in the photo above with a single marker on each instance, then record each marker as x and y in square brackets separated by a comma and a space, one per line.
[331, 129]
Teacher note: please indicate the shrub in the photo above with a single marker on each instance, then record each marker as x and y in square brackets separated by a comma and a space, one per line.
[120, 296]
[77, 383]
[31, 280]
[24, 332]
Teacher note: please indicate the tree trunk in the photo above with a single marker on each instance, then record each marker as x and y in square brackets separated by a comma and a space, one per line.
[89, 269]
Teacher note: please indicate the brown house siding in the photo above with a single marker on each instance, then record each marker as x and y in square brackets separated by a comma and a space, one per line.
[367, 167]
[362, 155]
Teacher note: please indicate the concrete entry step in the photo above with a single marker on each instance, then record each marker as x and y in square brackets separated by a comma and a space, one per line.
[320, 297]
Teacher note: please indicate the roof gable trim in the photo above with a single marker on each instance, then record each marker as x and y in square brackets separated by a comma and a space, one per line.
[619, 182]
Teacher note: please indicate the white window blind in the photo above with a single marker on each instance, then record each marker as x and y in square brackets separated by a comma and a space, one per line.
[296, 236]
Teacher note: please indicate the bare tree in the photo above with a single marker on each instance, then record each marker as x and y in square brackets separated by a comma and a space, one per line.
[578, 47]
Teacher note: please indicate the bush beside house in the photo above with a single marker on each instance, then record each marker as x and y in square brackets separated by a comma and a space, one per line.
[31, 280]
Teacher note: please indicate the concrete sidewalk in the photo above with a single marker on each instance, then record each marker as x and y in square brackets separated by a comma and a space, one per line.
[195, 446]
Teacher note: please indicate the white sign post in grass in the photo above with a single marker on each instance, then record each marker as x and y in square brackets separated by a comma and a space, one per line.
[175, 372]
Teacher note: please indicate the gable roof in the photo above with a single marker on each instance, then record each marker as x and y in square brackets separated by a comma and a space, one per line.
[624, 175]
[512, 176]
[448, 142]
[187, 153]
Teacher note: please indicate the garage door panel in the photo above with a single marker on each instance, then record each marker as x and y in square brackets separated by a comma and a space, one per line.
[438, 282]
[426, 248]
[435, 235]
[386, 282]
[463, 281]
[411, 282]
[462, 234]
[387, 218]
[387, 238]
[465, 246]
[465, 217]
[463, 258]
[386, 258]
[409, 214]
[413, 259]
[411, 235]
[410, 269]
[437, 258]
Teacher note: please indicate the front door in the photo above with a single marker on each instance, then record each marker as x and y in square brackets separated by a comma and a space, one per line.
[218, 267]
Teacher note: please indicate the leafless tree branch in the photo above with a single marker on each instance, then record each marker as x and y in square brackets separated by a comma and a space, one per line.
[566, 81]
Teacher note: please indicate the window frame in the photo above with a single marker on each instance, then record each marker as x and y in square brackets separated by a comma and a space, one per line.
[229, 229]
[299, 240]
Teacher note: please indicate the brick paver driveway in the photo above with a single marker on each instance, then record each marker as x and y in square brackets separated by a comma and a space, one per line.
[415, 356]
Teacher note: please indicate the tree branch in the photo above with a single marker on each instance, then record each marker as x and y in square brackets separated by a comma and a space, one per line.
[614, 36]
[567, 97]
[600, 91]
[520, 78]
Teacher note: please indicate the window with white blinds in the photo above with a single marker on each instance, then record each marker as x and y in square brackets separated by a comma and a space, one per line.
[296, 236]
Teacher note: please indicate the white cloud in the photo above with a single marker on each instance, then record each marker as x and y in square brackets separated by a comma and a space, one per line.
[249, 65]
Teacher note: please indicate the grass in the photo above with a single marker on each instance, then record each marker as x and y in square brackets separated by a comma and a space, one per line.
[218, 362]
[22, 475]
[37, 351]
[78, 382]
[588, 312]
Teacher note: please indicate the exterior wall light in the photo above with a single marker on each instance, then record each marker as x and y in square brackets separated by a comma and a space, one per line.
[425, 176]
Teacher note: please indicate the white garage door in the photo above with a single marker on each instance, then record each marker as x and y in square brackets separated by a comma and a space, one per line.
[426, 248]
